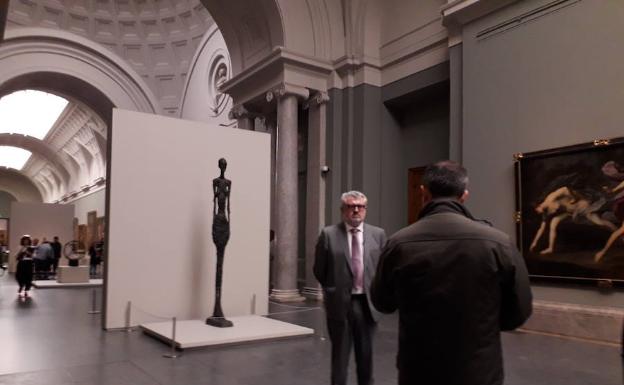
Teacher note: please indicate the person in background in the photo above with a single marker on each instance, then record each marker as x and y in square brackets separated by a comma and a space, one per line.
[39, 262]
[25, 265]
[56, 249]
[44, 256]
[95, 256]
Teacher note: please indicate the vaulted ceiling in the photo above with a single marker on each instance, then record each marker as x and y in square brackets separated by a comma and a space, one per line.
[157, 38]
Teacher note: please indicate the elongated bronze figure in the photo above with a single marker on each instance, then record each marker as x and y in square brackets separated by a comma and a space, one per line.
[220, 236]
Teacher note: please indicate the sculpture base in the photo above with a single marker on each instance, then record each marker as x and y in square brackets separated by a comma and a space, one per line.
[219, 322]
[250, 328]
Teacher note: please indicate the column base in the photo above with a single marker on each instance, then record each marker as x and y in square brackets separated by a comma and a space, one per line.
[291, 295]
[315, 293]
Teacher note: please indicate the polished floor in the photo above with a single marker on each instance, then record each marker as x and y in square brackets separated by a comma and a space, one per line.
[51, 339]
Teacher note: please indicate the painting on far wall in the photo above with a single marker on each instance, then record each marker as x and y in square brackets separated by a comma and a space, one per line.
[101, 227]
[91, 228]
[82, 238]
[4, 232]
[570, 202]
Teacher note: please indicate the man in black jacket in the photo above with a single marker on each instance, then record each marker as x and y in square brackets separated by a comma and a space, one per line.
[457, 282]
[56, 248]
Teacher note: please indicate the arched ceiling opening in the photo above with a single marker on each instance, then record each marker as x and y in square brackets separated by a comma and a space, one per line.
[64, 85]
[39, 147]
[19, 185]
[13, 157]
[73, 156]
[70, 157]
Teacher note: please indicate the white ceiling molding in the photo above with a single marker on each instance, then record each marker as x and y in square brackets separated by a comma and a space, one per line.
[460, 12]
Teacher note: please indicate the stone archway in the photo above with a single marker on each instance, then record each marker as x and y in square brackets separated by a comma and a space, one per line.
[253, 31]
[79, 70]
[72, 66]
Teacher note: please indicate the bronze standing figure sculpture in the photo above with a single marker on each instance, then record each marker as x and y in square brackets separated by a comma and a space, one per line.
[220, 236]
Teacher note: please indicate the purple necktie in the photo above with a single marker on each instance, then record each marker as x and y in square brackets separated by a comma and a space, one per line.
[356, 261]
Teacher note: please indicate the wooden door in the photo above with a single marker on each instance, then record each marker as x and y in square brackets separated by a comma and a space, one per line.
[414, 195]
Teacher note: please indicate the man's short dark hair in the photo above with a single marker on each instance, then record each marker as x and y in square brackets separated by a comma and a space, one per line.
[445, 179]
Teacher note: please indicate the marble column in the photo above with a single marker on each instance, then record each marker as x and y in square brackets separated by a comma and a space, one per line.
[315, 186]
[286, 207]
[271, 128]
[244, 118]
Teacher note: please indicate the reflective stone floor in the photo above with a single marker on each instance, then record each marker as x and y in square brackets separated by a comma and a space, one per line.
[51, 339]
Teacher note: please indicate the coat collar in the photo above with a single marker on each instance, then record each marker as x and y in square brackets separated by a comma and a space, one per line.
[448, 205]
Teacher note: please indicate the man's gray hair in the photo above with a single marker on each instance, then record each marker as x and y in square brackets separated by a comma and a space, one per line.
[352, 194]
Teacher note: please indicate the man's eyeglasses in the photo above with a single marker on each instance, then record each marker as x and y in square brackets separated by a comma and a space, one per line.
[353, 207]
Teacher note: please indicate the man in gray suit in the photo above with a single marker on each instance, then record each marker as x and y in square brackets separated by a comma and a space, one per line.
[346, 260]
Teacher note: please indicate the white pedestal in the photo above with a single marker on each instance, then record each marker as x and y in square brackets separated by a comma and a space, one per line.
[195, 333]
[49, 284]
[72, 274]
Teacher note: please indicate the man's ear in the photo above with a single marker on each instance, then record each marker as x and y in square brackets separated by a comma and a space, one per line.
[425, 194]
[464, 196]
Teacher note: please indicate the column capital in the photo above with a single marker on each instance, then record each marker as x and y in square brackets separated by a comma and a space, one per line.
[319, 98]
[238, 111]
[284, 89]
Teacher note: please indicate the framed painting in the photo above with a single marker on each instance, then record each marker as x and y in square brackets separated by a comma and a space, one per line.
[101, 227]
[75, 227]
[570, 211]
[91, 228]
[82, 238]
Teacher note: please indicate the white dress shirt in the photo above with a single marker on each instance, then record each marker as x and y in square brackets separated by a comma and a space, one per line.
[360, 240]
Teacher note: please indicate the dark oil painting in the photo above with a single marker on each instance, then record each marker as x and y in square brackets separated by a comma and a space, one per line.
[571, 204]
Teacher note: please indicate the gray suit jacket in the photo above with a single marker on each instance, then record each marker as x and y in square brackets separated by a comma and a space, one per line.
[332, 267]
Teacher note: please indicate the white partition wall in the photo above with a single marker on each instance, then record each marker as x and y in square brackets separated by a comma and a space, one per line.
[161, 256]
[39, 220]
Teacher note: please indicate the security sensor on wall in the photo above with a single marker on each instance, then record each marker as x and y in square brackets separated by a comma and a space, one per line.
[324, 170]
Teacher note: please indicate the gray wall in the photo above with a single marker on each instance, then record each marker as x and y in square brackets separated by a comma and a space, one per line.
[553, 79]
[375, 134]
[5, 204]
[93, 202]
[393, 178]
[354, 134]
[425, 134]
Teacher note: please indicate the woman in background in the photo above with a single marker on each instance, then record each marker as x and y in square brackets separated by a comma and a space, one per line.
[25, 265]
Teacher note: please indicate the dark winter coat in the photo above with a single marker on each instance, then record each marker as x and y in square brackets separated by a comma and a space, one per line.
[457, 282]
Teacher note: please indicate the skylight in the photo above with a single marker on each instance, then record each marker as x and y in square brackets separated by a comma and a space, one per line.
[13, 157]
[30, 112]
